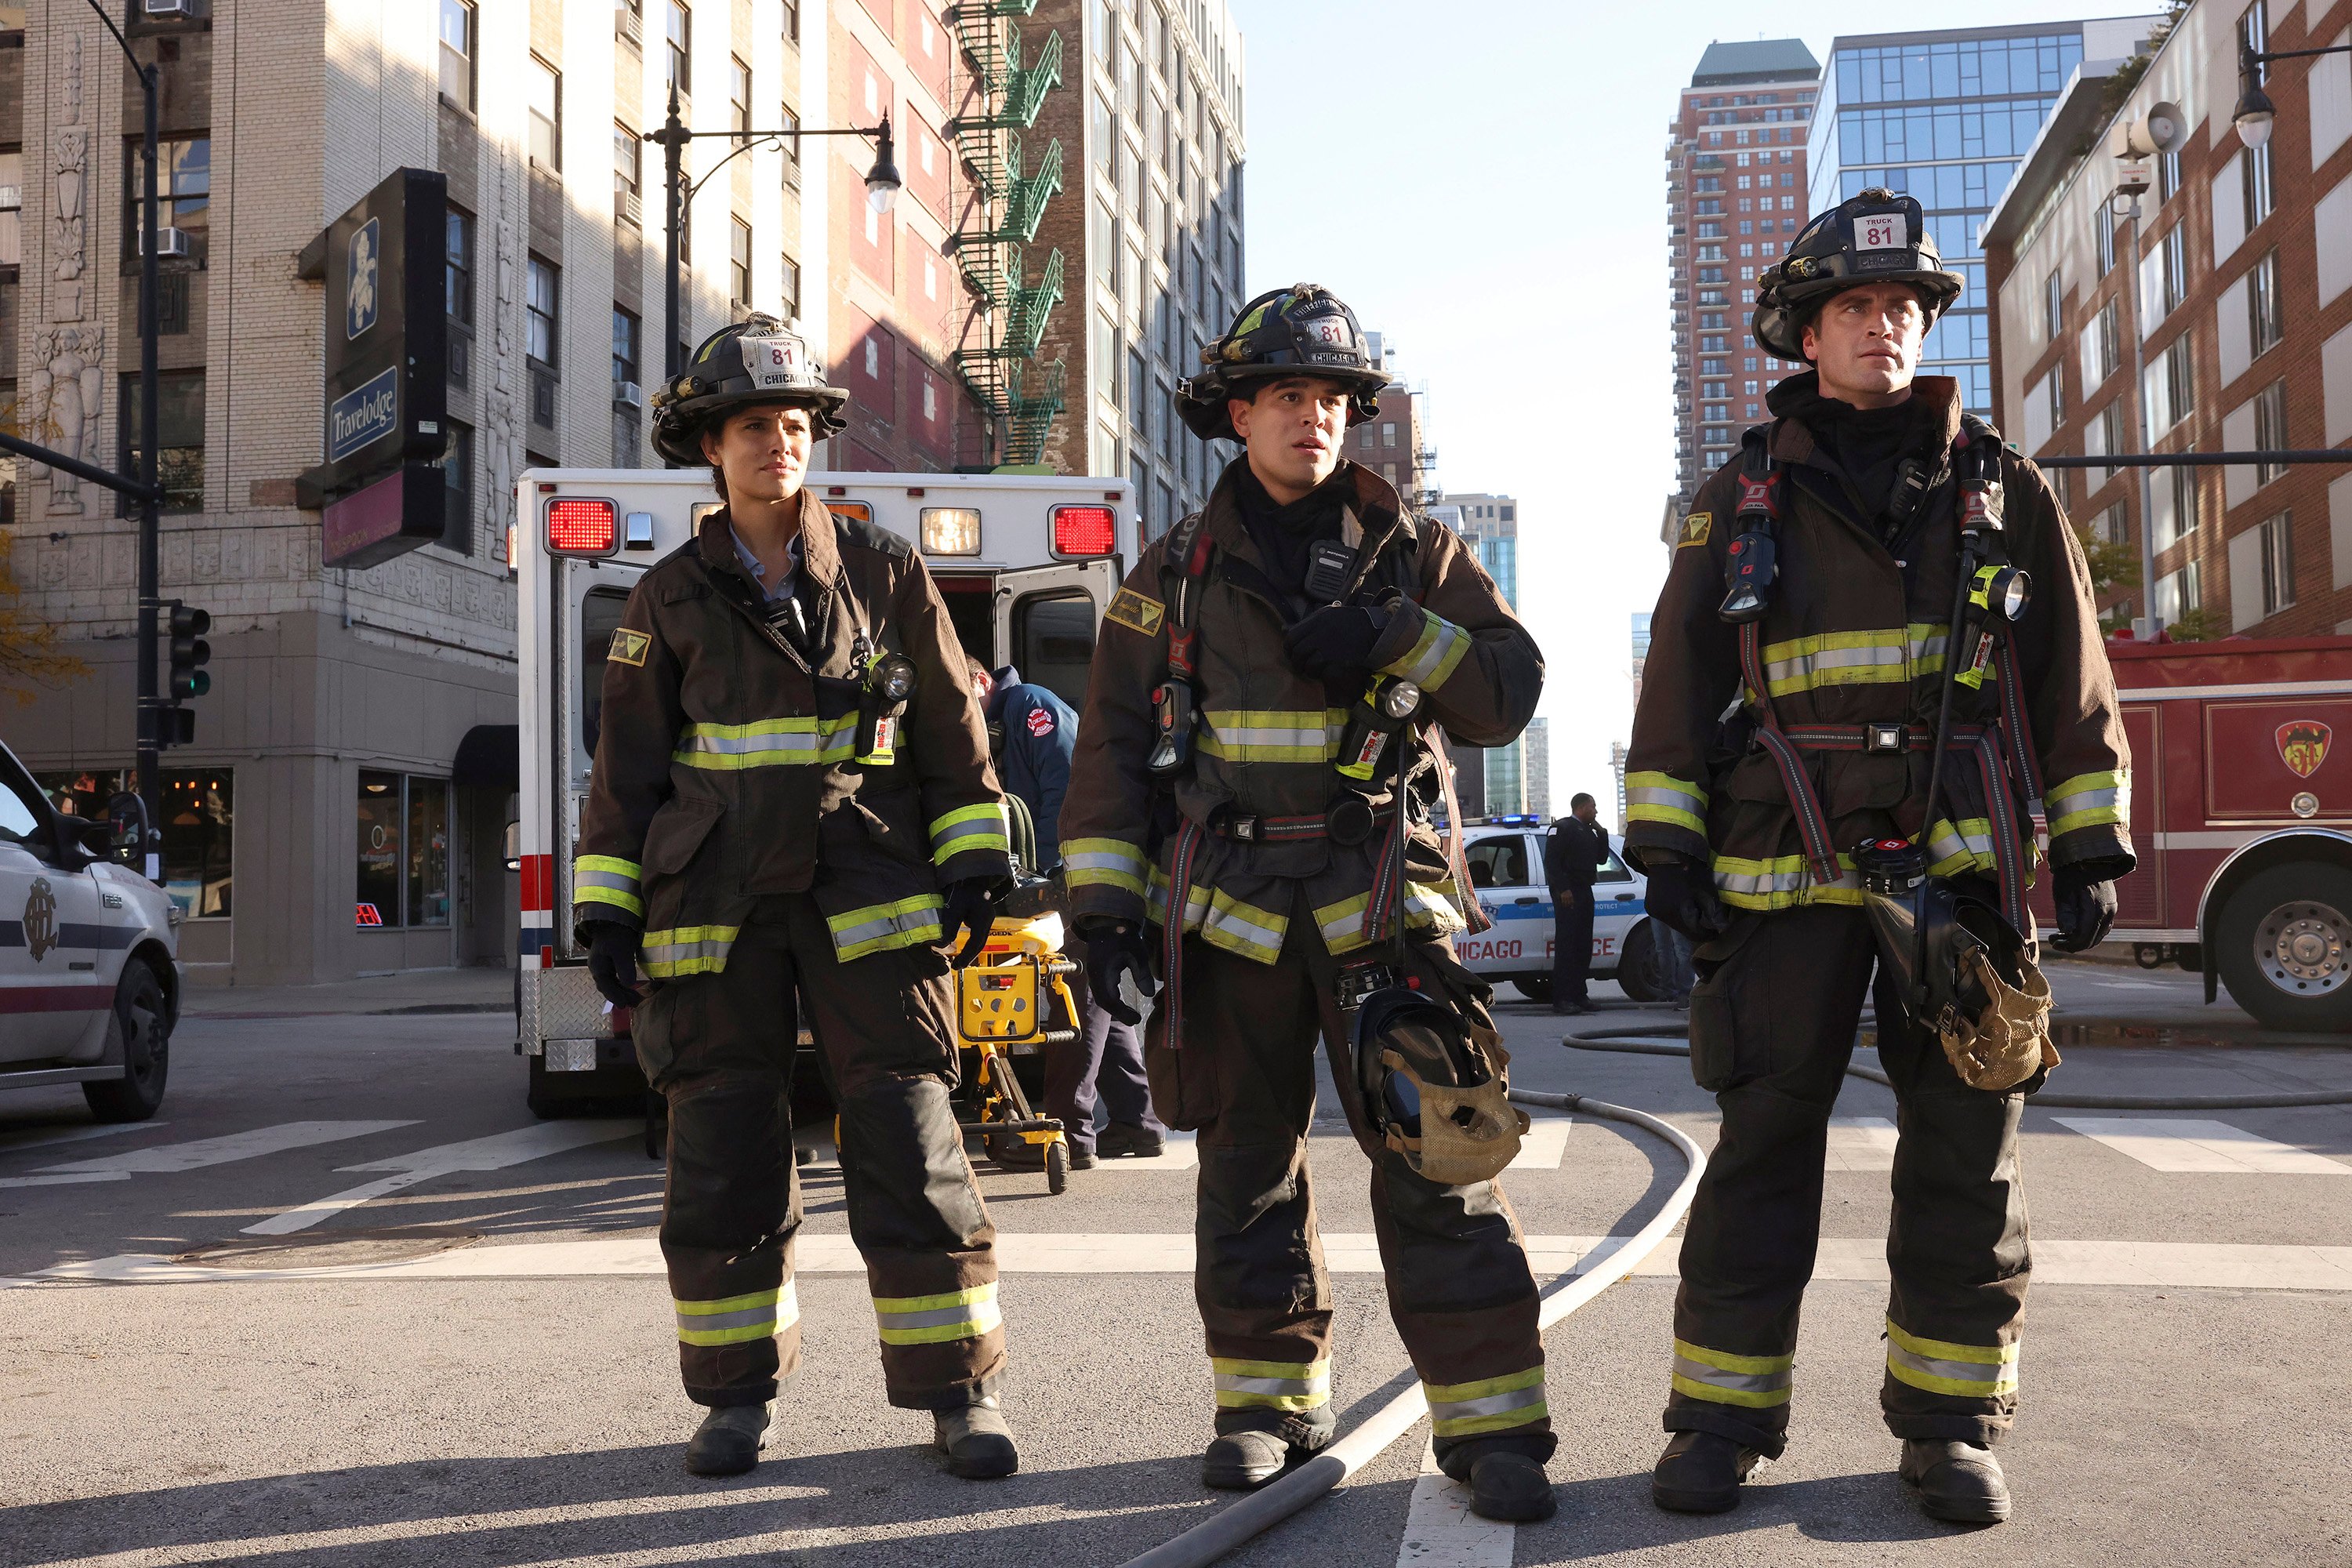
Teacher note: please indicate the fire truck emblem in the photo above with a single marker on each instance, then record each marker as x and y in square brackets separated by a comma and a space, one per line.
[41, 919]
[2303, 745]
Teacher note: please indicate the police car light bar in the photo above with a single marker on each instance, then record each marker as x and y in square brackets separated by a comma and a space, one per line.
[1085, 529]
[580, 527]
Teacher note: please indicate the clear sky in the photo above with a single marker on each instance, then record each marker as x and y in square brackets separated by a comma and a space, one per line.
[1485, 182]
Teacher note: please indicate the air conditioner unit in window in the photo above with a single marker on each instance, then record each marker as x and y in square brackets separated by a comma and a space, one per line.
[168, 7]
[627, 27]
[628, 207]
[628, 394]
[168, 241]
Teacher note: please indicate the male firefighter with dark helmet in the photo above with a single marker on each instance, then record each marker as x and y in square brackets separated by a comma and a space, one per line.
[1249, 814]
[791, 818]
[1872, 572]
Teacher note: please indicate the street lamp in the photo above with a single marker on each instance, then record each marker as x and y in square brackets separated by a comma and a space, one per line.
[2255, 112]
[882, 187]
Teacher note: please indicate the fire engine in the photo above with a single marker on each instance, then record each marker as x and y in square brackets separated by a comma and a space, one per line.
[1026, 562]
[2242, 814]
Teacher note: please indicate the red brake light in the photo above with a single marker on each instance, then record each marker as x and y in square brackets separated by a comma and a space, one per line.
[579, 527]
[1085, 529]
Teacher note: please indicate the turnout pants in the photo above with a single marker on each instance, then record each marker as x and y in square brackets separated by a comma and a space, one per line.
[720, 1049]
[1772, 1023]
[1104, 1062]
[1458, 1283]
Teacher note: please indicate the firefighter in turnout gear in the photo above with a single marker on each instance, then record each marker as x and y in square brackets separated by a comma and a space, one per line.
[1871, 570]
[791, 815]
[1229, 825]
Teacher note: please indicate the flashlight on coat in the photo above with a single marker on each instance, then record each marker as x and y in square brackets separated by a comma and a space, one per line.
[1386, 706]
[889, 682]
[1996, 590]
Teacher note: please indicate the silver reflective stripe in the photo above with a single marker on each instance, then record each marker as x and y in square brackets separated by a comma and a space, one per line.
[1130, 864]
[1492, 1404]
[1679, 800]
[1744, 1382]
[936, 1317]
[924, 921]
[680, 951]
[1230, 920]
[612, 880]
[1988, 1377]
[1943, 845]
[792, 743]
[1808, 666]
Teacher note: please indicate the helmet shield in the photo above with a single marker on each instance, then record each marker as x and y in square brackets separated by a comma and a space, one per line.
[1876, 237]
[754, 361]
[1303, 329]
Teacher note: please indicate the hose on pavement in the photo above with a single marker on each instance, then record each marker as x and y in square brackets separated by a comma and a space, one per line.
[1310, 1482]
[1647, 1040]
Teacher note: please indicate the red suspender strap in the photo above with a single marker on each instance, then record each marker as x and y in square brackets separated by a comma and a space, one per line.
[1171, 952]
[2018, 730]
[1821, 856]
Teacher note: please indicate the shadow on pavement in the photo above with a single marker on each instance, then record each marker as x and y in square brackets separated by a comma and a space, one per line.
[1604, 1515]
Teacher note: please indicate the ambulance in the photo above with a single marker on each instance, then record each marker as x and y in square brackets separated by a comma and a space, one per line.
[1028, 563]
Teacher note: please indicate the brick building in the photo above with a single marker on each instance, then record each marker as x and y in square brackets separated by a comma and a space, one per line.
[1735, 185]
[333, 753]
[2231, 248]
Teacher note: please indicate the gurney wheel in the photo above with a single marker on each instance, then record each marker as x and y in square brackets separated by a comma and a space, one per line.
[1057, 1166]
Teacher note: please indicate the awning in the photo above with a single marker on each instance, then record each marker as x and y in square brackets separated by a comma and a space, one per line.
[490, 757]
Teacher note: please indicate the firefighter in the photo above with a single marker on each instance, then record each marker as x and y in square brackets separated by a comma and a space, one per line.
[1814, 584]
[792, 816]
[1244, 871]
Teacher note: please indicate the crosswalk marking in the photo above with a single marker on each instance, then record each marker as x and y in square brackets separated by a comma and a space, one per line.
[170, 1159]
[1543, 1148]
[1440, 1531]
[495, 1152]
[2185, 1144]
[1861, 1144]
[50, 1138]
[2223, 1266]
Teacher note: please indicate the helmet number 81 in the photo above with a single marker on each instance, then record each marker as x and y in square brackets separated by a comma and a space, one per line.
[1884, 233]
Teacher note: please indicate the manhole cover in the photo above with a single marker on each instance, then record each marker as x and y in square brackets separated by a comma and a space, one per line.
[329, 1249]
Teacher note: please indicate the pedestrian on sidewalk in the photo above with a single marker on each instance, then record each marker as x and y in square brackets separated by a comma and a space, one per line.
[1574, 852]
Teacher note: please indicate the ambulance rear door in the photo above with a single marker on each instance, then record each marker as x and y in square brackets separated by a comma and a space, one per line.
[1045, 622]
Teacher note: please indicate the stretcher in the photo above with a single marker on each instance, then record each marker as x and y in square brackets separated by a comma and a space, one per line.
[1014, 1001]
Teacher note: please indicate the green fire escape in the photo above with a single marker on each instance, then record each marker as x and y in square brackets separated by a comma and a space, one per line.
[999, 364]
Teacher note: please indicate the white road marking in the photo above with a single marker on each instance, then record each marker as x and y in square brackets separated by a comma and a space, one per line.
[73, 1181]
[1861, 1144]
[167, 1159]
[1542, 1148]
[1440, 1531]
[1183, 1153]
[76, 1135]
[2185, 1144]
[2221, 1266]
[495, 1152]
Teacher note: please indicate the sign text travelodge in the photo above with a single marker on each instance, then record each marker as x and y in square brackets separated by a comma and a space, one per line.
[367, 413]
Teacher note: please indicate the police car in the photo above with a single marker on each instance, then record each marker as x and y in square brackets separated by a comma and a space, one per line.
[90, 975]
[1506, 858]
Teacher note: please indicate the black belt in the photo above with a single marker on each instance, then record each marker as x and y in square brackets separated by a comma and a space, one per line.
[1872, 737]
[1350, 821]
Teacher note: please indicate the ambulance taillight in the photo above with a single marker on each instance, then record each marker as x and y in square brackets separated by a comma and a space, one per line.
[576, 526]
[1085, 529]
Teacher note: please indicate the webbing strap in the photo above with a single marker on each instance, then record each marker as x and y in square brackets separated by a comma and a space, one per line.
[1192, 541]
[2018, 730]
[2008, 851]
[1171, 953]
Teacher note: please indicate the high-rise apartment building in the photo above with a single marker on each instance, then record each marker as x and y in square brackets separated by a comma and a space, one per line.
[1735, 195]
[1149, 230]
[1489, 525]
[1538, 747]
[1945, 117]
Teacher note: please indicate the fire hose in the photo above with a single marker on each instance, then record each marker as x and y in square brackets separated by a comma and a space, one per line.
[1310, 1482]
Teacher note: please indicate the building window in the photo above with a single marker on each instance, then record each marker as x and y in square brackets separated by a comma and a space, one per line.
[2054, 315]
[545, 84]
[2168, 176]
[625, 338]
[199, 827]
[1103, 130]
[677, 32]
[739, 96]
[2277, 550]
[2255, 170]
[792, 21]
[2111, 437]
[179, 436]
[628, 175]
[402, 873]
[2270, 429]
[2103, 239]
[2179, 593]
[11, 209]
[184, 183]
[792, 289]
[540, 313]
[2186, 496]
[739, 264]
[791, 125]
[457, 497]
[2168, 387]
[1138, 385]
[457, 290]
[458, 40]
[2265, 309]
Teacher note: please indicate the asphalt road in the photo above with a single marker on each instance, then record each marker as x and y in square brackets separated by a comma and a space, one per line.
[439, 1396]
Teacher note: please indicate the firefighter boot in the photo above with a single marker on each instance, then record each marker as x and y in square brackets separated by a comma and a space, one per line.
[1505, 1485]
[1701, 1472]
[976, 1440]
[1254, 1446]
[1957, 1482]
[728, 1441]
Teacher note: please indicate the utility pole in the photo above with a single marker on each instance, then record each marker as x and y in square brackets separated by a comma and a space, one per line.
[672, 139]
[151, 602]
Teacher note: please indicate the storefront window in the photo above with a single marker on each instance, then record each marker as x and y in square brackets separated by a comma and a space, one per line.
[199, 827]
[402, 870]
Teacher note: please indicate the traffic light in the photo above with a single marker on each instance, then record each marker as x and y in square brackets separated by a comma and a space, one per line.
[189, 652]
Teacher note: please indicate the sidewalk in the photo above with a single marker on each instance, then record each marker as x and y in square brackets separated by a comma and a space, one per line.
[476, 990]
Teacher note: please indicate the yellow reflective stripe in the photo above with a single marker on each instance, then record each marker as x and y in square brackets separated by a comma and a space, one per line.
[1435, 654]
[1488, 1405]
[935, 1320]
[1103, 862]
[1928, 640]
[1941, 1367]
[1241, 928]
[1756, 1382]
[1836, 659]
[1662, 797]
[1782, 882]
[968, 828]
[1969, 846]
[607, 879]
[1426, 904]
[686, 950]
[2090, 800]
[1343, 924]
[770, 743]
[1273, 734]
[738, 1320]
[875, 928]
[1271, 1384]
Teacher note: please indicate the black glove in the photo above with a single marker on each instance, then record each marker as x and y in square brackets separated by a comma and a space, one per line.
[613, 961]
[1116, 948]
[2085, 897]
[969, 916]
[1682, 895]
[1332, 643]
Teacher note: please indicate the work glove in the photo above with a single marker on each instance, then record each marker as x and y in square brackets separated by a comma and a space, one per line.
[613, 961]
[1682, 895]
[2085, 897]
[1116, 948]
[1334, 642]
[969, 916]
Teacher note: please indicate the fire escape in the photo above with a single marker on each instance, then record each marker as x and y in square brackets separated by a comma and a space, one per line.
[1001, 369]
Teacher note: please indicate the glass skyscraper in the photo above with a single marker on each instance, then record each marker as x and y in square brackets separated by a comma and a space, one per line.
[1946, 116]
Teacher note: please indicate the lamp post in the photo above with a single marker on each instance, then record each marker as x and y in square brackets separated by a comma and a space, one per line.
[882, 187]
[2255, 112]
[2127, 207]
